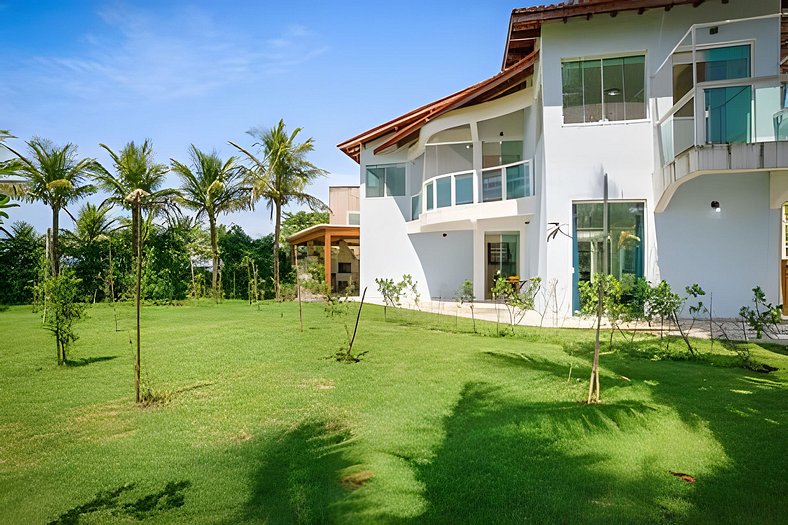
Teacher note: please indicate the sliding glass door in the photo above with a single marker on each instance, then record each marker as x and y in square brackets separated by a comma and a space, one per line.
[502, 254]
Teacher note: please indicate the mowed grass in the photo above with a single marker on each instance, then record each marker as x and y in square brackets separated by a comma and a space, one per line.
[434, 425]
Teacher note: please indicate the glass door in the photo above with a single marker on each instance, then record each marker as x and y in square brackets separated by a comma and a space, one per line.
[502, 257]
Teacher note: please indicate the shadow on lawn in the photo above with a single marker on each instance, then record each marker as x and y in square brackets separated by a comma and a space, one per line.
[147, 506]
[298, 478]
[746, 412]
[501, 462]
[85, 361]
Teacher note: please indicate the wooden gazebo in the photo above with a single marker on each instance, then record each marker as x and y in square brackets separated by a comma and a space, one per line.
[326, 235]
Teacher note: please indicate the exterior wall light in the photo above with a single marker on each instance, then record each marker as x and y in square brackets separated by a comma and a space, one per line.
[715, 205]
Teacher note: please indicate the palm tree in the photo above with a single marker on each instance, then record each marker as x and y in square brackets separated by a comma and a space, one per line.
[210, 187]
[92, 227]
[136, 185]
[53, 175]
[281, 176]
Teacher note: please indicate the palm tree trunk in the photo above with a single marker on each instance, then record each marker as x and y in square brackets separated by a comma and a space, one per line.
[137, 233]
[53, 248]
[277, 232]
[215, 253]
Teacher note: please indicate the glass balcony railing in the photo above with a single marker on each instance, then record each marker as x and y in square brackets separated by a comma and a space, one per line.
[510, 181]
[736, 111]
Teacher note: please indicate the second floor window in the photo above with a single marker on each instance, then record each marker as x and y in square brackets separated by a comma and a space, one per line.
[607, 89]
[386, 180]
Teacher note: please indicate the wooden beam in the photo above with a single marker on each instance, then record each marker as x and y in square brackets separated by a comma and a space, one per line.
[327, 258]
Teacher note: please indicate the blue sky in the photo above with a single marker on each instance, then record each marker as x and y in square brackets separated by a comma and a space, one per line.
[206, 72]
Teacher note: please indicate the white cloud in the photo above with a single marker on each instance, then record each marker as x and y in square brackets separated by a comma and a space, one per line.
[187, 54]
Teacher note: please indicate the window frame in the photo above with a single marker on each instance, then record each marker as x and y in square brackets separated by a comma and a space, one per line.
[601, 58]
[384, 180]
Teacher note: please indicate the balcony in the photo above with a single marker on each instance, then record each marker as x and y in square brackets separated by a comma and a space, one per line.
[464, 196]
[723, 117]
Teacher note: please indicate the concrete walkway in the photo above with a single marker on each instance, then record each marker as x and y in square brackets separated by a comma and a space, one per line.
[731, 329]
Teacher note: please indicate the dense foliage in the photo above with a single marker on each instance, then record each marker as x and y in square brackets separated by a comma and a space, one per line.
[172, 251]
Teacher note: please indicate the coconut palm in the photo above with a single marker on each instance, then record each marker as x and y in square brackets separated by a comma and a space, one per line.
[136, 185]
[210, 187]
[55, 176]
[281, 176]
[93, 228]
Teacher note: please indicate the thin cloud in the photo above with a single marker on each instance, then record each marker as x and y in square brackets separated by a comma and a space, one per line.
[171, 57]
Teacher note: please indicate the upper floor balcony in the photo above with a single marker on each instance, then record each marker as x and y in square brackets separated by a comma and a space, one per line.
[457, 198]
[726, 112]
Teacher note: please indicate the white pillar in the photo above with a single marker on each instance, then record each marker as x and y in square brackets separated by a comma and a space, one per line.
[479, 284]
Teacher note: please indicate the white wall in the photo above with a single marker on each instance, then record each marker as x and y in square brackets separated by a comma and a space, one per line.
[578, 155]
[726, 253]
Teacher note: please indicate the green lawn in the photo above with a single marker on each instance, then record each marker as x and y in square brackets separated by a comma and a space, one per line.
[435, 425]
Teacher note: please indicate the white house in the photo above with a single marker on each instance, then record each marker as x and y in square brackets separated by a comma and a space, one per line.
[678, 104]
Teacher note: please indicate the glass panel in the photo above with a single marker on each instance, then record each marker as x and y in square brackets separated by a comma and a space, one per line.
[463, 189]
[613, 94]
[395, 181]
[501, 152]
[502, 258]
[728, 111]
[375, 181]
[443, 190]
[592, 90]
[354, 218]
[491, 185]
[510, 248]
[572, 81]
[430, 201]
[625, 225]
[511, 151]
[635, 87]
[415, 207]
[723, 63]
[515, 182]
[626, 240]
[448, 158]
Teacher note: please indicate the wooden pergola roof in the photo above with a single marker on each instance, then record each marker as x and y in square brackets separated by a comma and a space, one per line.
[405, 129]
[320, 232]
[525, 23]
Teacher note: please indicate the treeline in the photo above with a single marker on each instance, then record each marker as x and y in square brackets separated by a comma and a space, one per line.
[176, 263]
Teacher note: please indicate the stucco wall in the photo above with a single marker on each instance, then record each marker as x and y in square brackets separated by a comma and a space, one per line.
[726, 253]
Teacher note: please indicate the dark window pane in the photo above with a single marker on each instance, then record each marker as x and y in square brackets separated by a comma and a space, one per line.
[430, 202]
[634, 87]
[592, 90]
[613, 92]
[572, 81]
[395, 181]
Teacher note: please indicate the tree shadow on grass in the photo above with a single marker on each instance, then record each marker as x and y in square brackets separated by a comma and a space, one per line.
[298, 477]
[109, 501]
[504, 461]
[747, 413]
[85, 361]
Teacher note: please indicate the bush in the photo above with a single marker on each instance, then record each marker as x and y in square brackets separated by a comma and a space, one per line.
[64, 306]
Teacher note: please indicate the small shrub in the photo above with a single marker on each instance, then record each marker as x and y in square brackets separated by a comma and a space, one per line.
[63, 307]
[763, 317]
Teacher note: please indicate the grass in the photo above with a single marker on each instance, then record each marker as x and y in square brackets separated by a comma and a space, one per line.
[256, 423]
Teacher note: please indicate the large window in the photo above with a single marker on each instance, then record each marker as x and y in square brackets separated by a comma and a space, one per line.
[386, 180]
[626, 245]
[606, 89]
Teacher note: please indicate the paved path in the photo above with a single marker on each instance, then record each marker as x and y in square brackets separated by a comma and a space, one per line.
[488, 311]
